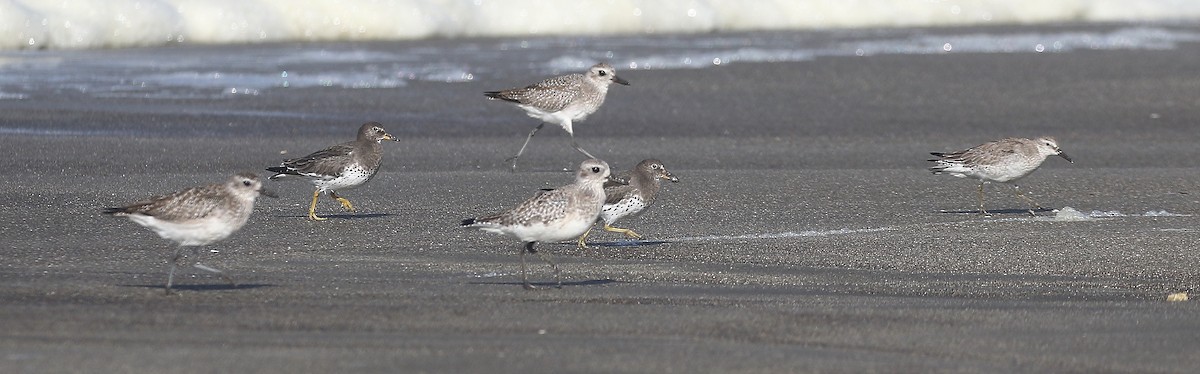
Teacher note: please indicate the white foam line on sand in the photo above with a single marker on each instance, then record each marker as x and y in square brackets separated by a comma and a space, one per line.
[782, 235]
[1066, 214]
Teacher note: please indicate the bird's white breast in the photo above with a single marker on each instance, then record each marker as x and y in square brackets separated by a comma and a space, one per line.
[191, 232]
[627, 206]
[353, 176]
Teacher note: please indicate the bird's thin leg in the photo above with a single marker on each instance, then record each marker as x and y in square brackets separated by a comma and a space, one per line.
[312, 209]
[583, 239]
[982, 211]
[569, 126]
[524, 269]
[577, 148]
[522, 150]
[171, 273]
[627, 232]
[345, 203]
[557, 273]
[1034, 204]
[198, 265]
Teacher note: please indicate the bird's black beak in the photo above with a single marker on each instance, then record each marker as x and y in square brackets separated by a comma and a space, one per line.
[621, 81]
[668, 176]
[268, 193]
[1065, 157]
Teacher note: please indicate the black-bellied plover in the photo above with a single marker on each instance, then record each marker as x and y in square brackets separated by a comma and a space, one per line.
[631, 196]
[562, 100]
[550, 216]
[1003, 161]
[197, 216]
[339, 167]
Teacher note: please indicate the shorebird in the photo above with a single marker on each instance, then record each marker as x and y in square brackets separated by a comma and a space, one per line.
[197, 216]
[631, 196]
[339, 167]
[550, 216]
[1002, 161]
[561, 100]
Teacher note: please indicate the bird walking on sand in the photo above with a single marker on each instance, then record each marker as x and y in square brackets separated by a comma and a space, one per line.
[339, 167]
[631, 196]
[562, 100]
[550, 216]
[197, 216]
[1002, 161]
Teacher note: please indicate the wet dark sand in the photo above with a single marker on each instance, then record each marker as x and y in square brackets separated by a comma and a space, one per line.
[805, 234]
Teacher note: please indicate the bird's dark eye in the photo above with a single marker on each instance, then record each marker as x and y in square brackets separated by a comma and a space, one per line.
[595, 169]
[246, 183]
[603, 73]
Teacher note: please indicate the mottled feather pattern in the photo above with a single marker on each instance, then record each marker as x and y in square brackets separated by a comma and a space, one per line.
[618, 179]
[550, 95]
[545, 207]
[326, 163]
[987, 153]
[645, 180]
[557, 214]
[197, 216]
[631, 192]
[562, 100]
[192, 203]
[1003, 161]
[328, 168]
[614, 194]
[997, 161]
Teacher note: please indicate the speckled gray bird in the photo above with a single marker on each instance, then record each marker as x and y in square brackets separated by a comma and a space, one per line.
[339, 167]
[630, 194]
[562, 100]
[197, 216]
[1002, 161]
[550, 216]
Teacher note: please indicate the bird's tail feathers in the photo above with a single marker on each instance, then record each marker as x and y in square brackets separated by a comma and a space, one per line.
[114, 211]
[481, 222]
[499, 95]
[280, 172]
[940, 165]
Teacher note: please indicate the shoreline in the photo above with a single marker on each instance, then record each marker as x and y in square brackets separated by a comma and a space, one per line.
[898, 279]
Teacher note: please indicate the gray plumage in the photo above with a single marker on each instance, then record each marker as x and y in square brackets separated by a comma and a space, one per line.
[197, 216]
[555, 215]
[1002, 161]
[562, 100]
[629, 194]
[634, 192]
[339, 167]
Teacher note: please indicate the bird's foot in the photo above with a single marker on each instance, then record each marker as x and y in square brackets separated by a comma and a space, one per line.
[346, 204]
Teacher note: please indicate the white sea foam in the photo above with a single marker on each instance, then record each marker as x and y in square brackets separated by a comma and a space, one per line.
[12, 96]
[1071, 214]
[1105, 214]
[784, 235]
[82, 24]
[227, 72]
[160, 72]
[1164, 213]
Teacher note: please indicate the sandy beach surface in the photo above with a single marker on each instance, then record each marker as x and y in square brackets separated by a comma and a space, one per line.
[805, 234]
